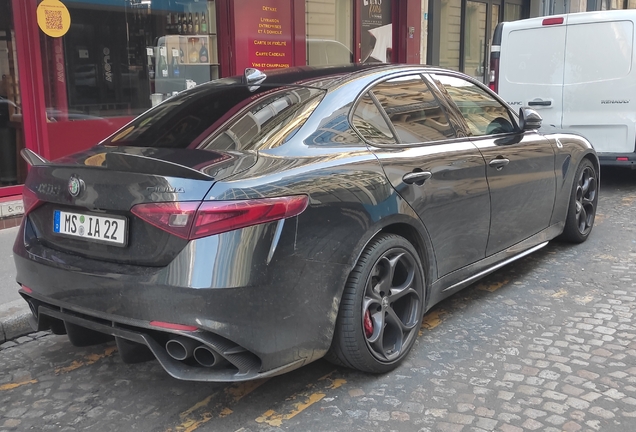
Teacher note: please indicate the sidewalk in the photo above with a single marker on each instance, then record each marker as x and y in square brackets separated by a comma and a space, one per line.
[14, 311]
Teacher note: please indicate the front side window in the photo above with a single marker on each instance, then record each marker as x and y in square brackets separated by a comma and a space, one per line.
[413, 110]
[484, 115]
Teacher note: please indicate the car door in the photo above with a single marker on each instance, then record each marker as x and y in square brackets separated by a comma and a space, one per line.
[519, 164]
[440, 176]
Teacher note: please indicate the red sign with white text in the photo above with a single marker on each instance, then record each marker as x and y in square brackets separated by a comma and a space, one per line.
[263, 34]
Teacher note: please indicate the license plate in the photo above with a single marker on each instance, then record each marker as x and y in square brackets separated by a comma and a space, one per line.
[104, 229]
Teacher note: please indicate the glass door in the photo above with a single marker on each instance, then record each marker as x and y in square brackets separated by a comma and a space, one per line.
[480, 22]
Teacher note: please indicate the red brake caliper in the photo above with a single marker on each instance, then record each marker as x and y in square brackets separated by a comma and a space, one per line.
[368, 324]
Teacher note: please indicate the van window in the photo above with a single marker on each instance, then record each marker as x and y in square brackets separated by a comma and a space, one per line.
[598, 51]
[534, 56]
[415, 113]
[484, 114]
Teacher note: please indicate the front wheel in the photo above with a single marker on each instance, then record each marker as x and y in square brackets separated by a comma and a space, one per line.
[382, 306]
[583, 202]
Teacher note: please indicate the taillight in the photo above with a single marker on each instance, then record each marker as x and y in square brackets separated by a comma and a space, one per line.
[30, 200]
[192, 220]
[493, 78]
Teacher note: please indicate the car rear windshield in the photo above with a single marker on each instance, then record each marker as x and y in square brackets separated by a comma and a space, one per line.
[244, 116]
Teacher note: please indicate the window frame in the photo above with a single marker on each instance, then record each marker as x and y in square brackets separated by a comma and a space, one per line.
[423, 74]
[514, 118]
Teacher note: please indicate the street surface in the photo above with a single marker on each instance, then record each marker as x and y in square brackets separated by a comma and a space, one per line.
[547, 343]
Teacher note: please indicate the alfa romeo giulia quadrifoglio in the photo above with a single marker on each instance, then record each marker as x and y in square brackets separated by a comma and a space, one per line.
[251, 225]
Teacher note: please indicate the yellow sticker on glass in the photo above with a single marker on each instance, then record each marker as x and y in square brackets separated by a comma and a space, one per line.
[53, 18]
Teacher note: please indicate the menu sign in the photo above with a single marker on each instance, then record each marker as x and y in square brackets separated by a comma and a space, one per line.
[265, 39]
[376, 30]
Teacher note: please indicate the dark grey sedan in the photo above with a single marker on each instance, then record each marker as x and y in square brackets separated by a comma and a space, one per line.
[251, 225]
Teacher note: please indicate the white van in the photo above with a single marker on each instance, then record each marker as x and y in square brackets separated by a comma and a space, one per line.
[577, 70]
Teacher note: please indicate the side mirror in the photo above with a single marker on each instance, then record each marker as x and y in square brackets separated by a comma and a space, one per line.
[529, 119]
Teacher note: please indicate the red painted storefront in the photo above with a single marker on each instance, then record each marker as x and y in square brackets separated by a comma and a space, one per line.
[262, 33]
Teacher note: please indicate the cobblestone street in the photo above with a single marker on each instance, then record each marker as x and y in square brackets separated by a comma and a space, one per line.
[547, 343]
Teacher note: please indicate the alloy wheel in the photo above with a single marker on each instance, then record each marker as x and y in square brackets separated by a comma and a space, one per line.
[391, 304]
[585, 200]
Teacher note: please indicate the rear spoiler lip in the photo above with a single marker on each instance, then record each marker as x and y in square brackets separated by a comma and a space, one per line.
[32, 158]
[119, 161]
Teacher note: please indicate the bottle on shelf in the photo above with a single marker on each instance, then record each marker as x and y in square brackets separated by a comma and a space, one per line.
[163, 62]
[179, 24]
[204, 24]
[176, 68]
[196, 23]
[203, 52]
[193, 54]
[169, 23]
[190, 24]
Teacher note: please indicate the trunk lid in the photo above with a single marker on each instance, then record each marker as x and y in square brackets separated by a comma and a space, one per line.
[108, 182]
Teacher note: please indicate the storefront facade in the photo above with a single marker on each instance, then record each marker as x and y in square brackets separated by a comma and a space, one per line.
[74, 71]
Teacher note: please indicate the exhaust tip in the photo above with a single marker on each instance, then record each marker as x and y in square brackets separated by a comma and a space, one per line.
[181, 348]
[206, 357]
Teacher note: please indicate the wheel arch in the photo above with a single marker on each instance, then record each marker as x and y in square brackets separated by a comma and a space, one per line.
[414, 231]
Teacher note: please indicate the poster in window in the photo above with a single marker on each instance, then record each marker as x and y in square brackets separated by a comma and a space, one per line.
[377, 31]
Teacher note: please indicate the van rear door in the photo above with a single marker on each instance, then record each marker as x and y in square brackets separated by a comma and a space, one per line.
[531, 65]
[599, 91]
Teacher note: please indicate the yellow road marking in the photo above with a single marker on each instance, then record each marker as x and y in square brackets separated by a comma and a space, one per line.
[11, 386]
[90, 359]
[560, 293]
[305, 399]
[433, 319]
[190, 420]
[491, 287]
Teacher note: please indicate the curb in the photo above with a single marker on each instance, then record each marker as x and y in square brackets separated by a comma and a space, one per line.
[14, 320]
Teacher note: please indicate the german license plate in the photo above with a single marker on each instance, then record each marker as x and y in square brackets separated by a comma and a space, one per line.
[104, 229]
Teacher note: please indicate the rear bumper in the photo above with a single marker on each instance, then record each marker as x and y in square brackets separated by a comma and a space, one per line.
[278, 308]
[627, 160]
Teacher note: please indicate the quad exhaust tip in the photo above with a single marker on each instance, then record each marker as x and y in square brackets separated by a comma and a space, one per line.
[183, 348]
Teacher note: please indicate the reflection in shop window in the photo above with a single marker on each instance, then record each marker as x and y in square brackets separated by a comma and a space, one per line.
[119, 58]
[329, 32]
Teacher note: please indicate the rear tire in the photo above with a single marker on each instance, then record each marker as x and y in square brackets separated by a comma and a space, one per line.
[583, 202]
[382, 307]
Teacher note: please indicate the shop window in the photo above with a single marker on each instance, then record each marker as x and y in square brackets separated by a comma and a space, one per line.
[12, 168]
[329, 32]
[120, 58]
[450, 23]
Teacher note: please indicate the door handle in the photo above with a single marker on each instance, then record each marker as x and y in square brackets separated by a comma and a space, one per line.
[499, 163]
[417, 177]
[544, 103]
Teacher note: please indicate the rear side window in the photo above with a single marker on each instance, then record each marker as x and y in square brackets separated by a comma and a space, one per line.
[370, 123]
[416, 115]
[598, 51]
[484, 115]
